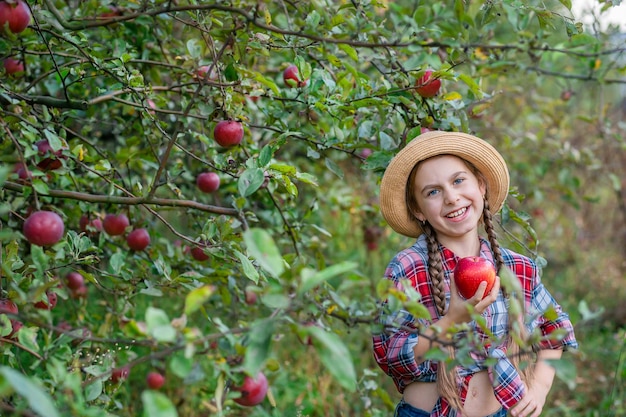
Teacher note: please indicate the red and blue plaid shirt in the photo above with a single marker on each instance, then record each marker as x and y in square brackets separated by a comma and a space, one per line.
[393, 347]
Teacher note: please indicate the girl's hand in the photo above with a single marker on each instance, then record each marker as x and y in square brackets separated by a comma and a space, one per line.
[459, 310]
[532, 403]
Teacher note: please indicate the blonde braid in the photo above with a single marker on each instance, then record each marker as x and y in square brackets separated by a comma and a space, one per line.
[513, 349]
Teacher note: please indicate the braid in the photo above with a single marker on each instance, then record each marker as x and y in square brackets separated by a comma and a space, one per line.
[513, 349]
[435, 268]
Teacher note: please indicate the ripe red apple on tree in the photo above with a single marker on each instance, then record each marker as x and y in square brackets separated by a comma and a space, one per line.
[427, 86]
[91, 227]
[75, 282]
[155, 380]
[120, 374]
[291, 77]
[53, 158]
[22, 171]
[13, 66]
[9, 307]
[228, 133]
[202, 73]
[138, 239]
[197, 253]
[52, 301]
[43, 228]
[16, 16]
[470, 271]
[251, 296]
[208, 182]
[253, 390]
[115, 224]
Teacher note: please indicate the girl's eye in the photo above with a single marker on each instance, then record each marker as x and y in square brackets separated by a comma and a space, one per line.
[431, 193]
[458, 181]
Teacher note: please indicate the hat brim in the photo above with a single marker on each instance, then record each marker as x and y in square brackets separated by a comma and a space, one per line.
[471, 148]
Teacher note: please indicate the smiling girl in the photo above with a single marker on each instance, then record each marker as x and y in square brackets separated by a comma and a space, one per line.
[441, 189]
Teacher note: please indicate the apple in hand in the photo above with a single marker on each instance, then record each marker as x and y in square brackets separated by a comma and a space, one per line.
[253, 390]
[291, 77]
[469, 272]
[427, 86]
[208, 182]
[43, 228]
[16, 15]
[228, 133]
[155, 380]
[115, 225]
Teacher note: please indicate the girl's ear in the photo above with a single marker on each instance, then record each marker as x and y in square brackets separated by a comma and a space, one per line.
[483, 188]
[417, 214]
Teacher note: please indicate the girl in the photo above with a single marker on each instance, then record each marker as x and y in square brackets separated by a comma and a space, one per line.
[439, 189]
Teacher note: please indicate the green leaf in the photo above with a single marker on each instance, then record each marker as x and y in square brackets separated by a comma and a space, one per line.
[266, 155]
[335, 356]
[180, 365]
[350, 51]
[93, 390]
[248, 268]
[37, 398]
[261, 247]
[231, 73]
[333, 167]
[40, 186]
[196, 298]
[156, 404]
[311, 281]
[565, 371]
[250, 181]
[159, 326]
[258, 347]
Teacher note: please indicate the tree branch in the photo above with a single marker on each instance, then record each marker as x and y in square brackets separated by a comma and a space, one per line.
[130, 201]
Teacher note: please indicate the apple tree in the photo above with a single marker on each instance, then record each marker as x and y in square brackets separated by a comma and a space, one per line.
[171, 172]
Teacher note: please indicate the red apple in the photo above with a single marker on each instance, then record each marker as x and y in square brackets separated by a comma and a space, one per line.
[16, 325]
[138, 239]
[202, 73]
[8, 307]
[251, 296]
[91, 227]
[52, 301]
[291, 77]
[80, 292]
[155, 380]
[228, 133]
[115, 225]
[43, 228]
[253, 390]
[74, 280]
[16, 15]
[208, 182]
[426, 86]
[13, 66]
[53, 158]
[469, 272]
[22, 171]
[120, 374]
[197, 253]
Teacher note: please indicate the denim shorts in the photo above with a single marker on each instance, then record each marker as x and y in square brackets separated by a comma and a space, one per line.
[407, 410]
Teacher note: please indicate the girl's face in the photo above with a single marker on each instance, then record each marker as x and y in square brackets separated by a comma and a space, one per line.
[449, 196]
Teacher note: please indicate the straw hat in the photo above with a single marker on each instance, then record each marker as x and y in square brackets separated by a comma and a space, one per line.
[471, 148]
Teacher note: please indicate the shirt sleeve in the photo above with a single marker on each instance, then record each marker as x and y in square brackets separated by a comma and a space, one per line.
[397, 335]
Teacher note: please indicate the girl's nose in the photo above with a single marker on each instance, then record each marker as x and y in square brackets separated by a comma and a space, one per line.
[450, 197]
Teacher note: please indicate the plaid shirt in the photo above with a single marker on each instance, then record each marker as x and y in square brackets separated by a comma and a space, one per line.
[393, 349]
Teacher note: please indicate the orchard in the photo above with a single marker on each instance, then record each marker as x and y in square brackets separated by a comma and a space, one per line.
[189, 222]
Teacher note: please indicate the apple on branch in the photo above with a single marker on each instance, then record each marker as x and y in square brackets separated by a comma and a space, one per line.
[253, 390]
[13, 66]
[138, 239]
[291, 77]
[43, 228]
[427, 86]
[14, 16]
[115, 224]
[228, 133]
[208, 182]
[469, 272]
